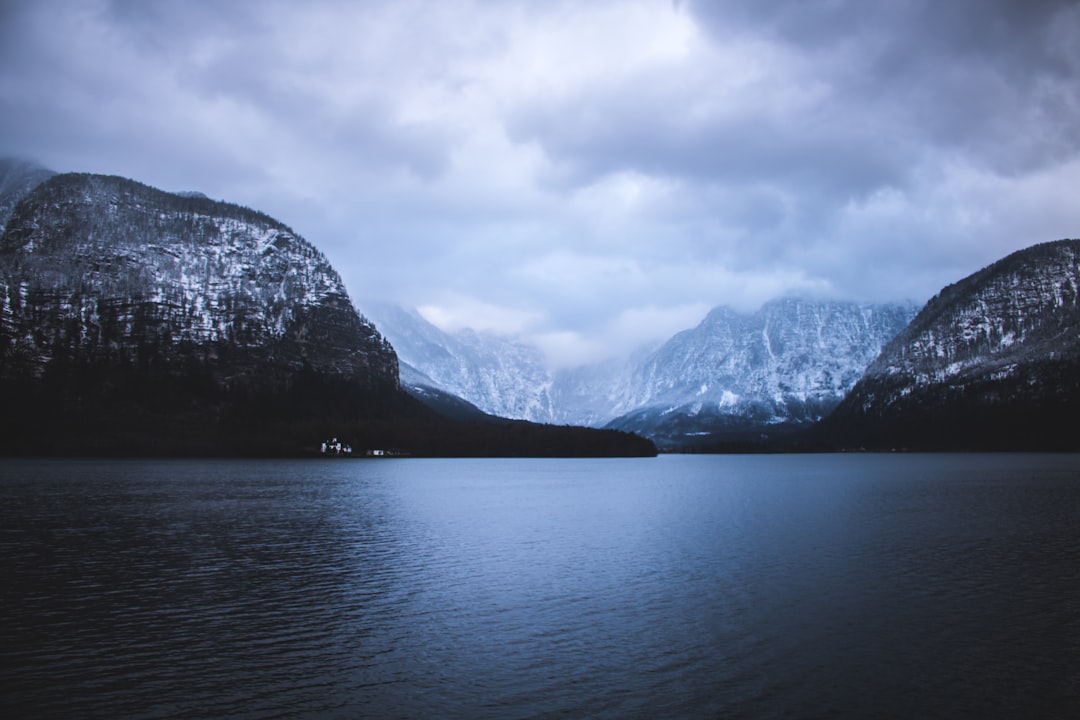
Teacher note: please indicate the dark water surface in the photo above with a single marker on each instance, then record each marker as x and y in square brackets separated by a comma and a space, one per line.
[821, 586]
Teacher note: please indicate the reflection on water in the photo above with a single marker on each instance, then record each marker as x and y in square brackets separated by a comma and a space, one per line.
[759, 586]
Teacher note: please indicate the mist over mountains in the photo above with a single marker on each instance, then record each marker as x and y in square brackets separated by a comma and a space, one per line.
[495, 373]
[17, 179]
[741, 375]
[134, 320]
[788, 364]
[991, 362]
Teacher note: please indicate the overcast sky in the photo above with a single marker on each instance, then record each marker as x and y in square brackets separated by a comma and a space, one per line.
[585, 174]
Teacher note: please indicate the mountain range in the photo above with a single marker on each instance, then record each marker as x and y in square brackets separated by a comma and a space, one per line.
[498, 375]
[137, 321]
[991, 362]
[740, 376]
[734, 375]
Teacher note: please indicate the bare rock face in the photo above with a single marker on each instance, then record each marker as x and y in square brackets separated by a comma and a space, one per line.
[744, 374]
[497, 374]
[108, 285]
[103, 267]
[992, 361]
[789, 363]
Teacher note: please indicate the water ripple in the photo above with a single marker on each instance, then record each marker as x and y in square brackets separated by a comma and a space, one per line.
[915, 586]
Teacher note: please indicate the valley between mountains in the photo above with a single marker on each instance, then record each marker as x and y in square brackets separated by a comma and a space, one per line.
[137, 321]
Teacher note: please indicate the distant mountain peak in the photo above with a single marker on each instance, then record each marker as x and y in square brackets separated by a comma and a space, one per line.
[790, 361]
[497, 374]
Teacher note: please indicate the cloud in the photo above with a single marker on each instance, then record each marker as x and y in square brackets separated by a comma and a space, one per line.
[584, 174]
[632, 329]
[965, 75]
[458, 313]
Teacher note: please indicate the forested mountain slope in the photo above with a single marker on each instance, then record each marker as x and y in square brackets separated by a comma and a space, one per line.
[991, 362]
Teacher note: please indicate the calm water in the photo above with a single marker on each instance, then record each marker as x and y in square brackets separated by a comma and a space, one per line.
[825, 586]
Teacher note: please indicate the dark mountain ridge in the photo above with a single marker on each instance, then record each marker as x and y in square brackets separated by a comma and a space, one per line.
[129, 269]
[136, 321]
[991, 362]
[132, 320]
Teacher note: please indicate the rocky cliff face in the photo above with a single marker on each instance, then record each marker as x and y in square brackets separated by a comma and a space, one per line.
[497, 374]
[107, 284]
[994, 357]
[103, 267]
[788, 363]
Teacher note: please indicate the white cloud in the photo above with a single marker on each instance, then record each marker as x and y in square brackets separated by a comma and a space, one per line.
[585, 174]
[458, 313]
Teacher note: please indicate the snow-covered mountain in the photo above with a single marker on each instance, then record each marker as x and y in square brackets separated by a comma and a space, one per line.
[500, 375]
[103, 266]
[991, 361]
[790, 362]
[124, 304]
[497, 374]
[592, 394]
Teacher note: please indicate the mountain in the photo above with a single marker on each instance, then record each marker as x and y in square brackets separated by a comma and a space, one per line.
[427, 391]
[592, 394]
[135, 321]
[108, 268]
[118, 297]
[497, 374]
[737, 376]
[17, 179]
[991, 362]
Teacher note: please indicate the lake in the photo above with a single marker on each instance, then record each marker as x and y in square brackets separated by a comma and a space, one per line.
[785, 586]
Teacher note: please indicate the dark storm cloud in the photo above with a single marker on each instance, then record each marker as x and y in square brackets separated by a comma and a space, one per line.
[151, 70]
[239, 53]
[879, 125]
[595, 134]
[999, 81]
[968, 74]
